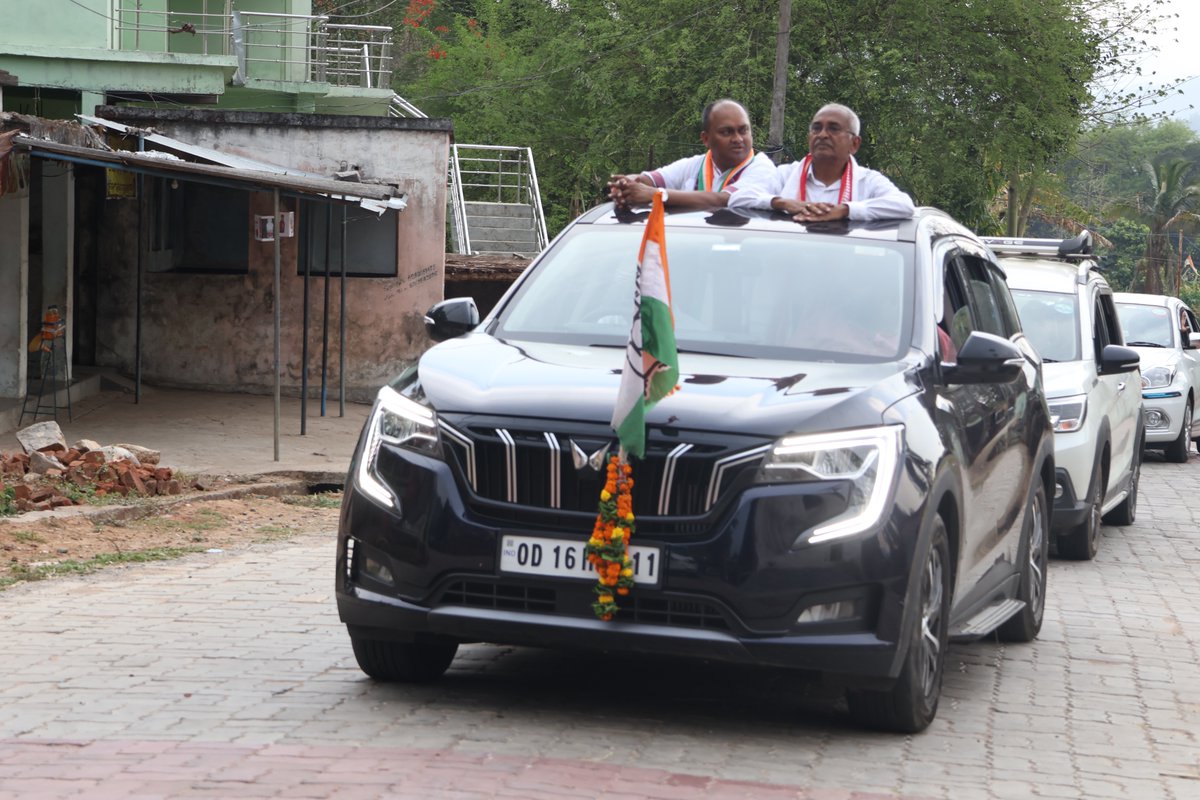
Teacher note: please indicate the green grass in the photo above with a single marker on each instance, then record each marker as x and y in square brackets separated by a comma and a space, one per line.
[26, 536]
[319, 500]
[20, 572]
[202, 520]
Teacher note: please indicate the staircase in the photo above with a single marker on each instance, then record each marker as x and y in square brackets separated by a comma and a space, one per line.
[502, 228]
[494, 202]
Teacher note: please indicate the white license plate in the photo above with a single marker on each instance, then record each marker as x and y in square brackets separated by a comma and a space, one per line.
[563, 558]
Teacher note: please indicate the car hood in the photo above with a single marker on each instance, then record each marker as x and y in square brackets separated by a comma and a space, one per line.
[1066, 378]
[480, 375]
[1157, 356]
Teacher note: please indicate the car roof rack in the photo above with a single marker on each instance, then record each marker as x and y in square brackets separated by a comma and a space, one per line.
[1077, 247]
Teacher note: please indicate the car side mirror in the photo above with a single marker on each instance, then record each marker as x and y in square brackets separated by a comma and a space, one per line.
[1114, 359]
[451, 318]
[985, 358]
[1193, 341]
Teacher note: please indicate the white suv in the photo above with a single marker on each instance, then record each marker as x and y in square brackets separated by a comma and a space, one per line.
[1164, 332]
[1092, 385]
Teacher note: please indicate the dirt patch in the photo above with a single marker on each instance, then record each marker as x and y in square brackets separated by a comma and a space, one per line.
[63, 543]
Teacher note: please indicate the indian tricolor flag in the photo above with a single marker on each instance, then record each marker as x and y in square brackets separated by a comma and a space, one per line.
[651, 363]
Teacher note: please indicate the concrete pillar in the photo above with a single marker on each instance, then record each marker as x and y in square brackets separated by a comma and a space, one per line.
[58, 244]
[88, 102]
[14, 285]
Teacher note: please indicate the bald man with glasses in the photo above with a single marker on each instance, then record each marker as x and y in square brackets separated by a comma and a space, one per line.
[828, 184]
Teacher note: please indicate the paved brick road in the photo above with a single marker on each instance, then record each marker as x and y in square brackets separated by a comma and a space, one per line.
[229, 676]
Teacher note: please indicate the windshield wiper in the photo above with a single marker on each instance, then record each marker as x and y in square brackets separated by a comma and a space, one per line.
[1049, 360]
[1144, 344]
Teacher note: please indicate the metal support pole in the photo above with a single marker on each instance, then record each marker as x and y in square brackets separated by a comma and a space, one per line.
[137, 305]
[342, 326]
[325, 310]
[278, 317]
[304, 334]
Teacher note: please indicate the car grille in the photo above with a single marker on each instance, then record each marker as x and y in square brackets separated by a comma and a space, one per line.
[536, 468]
[679, 612]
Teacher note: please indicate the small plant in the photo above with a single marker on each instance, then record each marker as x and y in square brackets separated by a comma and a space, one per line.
[21, 572]
[28, 537]
[318, 500]
[7, 508]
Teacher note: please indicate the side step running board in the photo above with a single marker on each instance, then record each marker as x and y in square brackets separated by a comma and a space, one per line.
[987, 620]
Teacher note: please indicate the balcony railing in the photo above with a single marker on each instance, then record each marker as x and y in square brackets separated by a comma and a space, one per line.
[268, 46]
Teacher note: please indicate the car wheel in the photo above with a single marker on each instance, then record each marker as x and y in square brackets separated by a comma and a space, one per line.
[405, 662]
[1177, 451]
[911, 704]
[1035, 554]
[1082, 542]
[1126, 512]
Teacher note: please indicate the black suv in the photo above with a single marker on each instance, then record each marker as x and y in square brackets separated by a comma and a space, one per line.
[855, 468]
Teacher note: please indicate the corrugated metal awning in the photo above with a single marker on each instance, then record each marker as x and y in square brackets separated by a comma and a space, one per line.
[375, 197]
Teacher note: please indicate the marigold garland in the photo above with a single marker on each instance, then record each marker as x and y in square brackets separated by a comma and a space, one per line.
[608, 547]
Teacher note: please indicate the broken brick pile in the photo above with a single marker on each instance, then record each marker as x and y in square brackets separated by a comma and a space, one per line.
[87, 469]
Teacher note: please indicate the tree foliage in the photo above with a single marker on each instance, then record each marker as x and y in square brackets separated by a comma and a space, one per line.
[958, 100]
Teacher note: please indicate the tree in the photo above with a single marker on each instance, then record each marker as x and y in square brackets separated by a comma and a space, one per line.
[1168, 206]
[615, 85]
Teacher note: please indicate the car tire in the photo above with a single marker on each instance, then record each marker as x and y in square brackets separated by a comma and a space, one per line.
[1126, 512]
[911, 704]
[1035, 557]
[1082, 542]
[1177, 451]
[420, 661]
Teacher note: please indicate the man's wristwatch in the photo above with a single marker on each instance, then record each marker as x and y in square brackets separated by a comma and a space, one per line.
[666, 196]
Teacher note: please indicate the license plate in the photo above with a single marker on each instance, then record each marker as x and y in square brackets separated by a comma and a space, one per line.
[563, 558]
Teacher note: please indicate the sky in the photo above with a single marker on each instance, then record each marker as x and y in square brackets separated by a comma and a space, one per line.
[1177, 57]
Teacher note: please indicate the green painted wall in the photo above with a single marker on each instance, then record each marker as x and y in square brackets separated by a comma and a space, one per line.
[83, 23]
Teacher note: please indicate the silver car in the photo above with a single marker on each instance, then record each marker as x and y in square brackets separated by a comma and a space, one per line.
[1164, 332]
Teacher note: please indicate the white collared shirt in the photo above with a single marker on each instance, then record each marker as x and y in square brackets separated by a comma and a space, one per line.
[873, 195]
[756, 178]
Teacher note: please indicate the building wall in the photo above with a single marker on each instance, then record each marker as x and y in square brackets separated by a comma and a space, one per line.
[14, 279]
[216, 331]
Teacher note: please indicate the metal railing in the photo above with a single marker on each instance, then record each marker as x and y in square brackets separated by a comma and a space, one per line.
[275, 47]
[497, 174]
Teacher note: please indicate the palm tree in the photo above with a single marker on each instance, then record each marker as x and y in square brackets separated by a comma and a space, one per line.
[1171, 207]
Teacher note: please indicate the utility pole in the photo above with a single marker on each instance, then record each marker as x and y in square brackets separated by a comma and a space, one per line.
[779, 90]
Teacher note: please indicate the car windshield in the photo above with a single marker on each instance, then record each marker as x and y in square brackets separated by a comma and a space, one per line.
[764, 294]
[1049, 319]
[1146, 326]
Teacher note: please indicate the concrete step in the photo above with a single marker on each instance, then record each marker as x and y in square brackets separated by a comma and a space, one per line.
[522, 210]
[503, 234]
[499, 223]
[54, 401]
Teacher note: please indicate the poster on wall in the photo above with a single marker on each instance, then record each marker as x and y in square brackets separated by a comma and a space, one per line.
[119, 184]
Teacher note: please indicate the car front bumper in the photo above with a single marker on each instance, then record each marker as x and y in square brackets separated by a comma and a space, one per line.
[733, 587]
[1164, 415]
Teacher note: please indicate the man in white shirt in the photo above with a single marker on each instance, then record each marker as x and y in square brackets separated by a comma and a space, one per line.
[828, 184]
[722, 176]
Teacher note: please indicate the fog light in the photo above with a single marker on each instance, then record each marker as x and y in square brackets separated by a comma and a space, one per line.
[1058, 491]
[1155, 418]
[829, 612]
[377, 571]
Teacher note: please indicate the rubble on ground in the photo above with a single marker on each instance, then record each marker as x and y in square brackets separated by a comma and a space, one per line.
[50, 474]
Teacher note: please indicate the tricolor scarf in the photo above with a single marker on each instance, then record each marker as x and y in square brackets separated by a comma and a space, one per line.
[705, 181]
[845, 191]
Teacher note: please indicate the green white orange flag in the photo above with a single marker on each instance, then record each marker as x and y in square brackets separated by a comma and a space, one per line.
[651, 368]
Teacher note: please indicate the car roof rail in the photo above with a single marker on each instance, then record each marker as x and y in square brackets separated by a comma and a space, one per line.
[1077, 247]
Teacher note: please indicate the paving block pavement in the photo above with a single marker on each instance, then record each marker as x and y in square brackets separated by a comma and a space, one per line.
[228, 675]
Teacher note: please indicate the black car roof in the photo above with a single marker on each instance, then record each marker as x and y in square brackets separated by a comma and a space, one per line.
[897, 230]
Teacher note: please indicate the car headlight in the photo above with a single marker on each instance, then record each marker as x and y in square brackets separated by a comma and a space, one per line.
[868, 459]
[1067, 413]
[1157, 377]
[398, 421]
